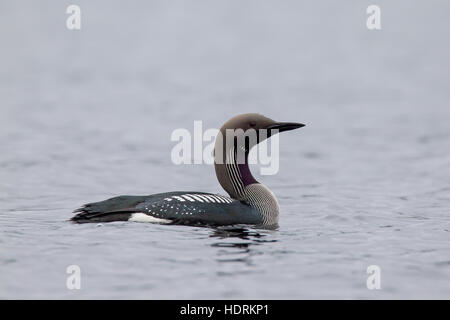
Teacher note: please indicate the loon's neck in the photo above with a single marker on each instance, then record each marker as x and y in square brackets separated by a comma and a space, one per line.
[239, 183]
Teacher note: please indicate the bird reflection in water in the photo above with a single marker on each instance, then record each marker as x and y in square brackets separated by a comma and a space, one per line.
[238, 244]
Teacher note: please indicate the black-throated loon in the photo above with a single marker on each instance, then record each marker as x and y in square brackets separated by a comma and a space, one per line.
[249, 201]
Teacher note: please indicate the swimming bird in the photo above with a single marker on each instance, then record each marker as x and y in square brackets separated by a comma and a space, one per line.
[248, 201]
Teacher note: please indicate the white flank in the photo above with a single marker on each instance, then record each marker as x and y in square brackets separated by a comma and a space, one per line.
[142, 217]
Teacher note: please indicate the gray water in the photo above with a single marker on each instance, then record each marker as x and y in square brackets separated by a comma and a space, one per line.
[86, 115]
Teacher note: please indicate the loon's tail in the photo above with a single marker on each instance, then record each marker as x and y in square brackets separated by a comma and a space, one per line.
[115, 209]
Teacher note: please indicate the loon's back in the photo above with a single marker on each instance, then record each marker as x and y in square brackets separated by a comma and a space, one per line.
[171, 207]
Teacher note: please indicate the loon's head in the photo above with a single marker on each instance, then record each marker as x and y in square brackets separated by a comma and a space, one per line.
[258, 124]
[241, 133]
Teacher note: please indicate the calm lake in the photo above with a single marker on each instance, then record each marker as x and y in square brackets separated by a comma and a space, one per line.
[88, 114]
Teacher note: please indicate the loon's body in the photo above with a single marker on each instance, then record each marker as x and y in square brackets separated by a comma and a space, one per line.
[249, 201]
[172, 207]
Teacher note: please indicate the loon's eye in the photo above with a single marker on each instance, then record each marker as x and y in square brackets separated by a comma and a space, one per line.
[252, 123]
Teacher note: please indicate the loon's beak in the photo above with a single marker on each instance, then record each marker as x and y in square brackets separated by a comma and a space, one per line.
[285, 126]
